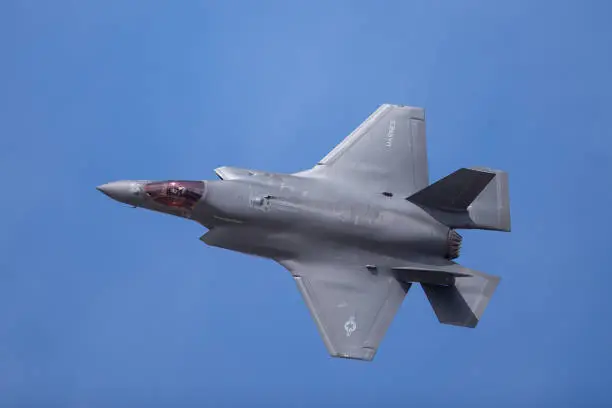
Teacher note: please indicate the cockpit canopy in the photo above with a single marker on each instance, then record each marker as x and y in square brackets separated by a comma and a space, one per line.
[175, 193]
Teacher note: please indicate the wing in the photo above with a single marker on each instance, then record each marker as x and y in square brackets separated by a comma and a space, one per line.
[386, 153]
[351, 306]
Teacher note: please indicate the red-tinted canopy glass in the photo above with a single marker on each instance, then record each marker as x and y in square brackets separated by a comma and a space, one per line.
[175, 193]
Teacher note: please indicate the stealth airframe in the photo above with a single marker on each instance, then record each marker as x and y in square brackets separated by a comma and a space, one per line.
[355, 231]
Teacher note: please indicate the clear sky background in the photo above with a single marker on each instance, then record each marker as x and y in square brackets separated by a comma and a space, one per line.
[102, 305]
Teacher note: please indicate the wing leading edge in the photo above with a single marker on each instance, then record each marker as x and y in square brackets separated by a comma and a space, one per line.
[352, 306]
[386, 153]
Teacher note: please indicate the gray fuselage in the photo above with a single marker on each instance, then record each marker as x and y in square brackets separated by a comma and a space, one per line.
[285, 210]
[356, 231]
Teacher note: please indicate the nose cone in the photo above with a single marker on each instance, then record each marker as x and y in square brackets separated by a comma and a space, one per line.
[123, 191]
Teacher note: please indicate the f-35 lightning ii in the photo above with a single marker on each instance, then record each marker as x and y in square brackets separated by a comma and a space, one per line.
[355, 231]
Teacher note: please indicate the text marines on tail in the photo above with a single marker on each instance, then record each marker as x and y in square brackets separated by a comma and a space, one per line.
[355, 231]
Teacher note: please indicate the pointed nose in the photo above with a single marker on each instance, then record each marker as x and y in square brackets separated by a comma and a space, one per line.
[103, 188]
[122, 191]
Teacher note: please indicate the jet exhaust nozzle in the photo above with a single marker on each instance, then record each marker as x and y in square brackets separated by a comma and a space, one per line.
[454, 244]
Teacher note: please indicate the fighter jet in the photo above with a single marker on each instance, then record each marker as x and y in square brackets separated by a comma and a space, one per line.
[355, 231]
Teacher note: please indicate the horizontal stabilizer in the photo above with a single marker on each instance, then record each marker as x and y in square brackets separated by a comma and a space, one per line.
[454, 192]
[474, 198]
[458, 295]
[463, 303]
[412, 274]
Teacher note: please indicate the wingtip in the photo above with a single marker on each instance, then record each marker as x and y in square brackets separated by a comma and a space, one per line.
[415, 112]
[364, 354]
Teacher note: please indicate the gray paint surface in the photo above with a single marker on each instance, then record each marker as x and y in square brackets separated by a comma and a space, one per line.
[355, 231]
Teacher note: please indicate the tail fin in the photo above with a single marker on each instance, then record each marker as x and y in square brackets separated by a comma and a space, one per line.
[458, 295]
[463, 303]
[474, 198]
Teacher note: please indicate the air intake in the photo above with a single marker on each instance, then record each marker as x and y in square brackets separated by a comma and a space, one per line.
[454, 244]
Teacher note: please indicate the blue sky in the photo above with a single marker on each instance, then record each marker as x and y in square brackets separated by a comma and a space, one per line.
[102, 305]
